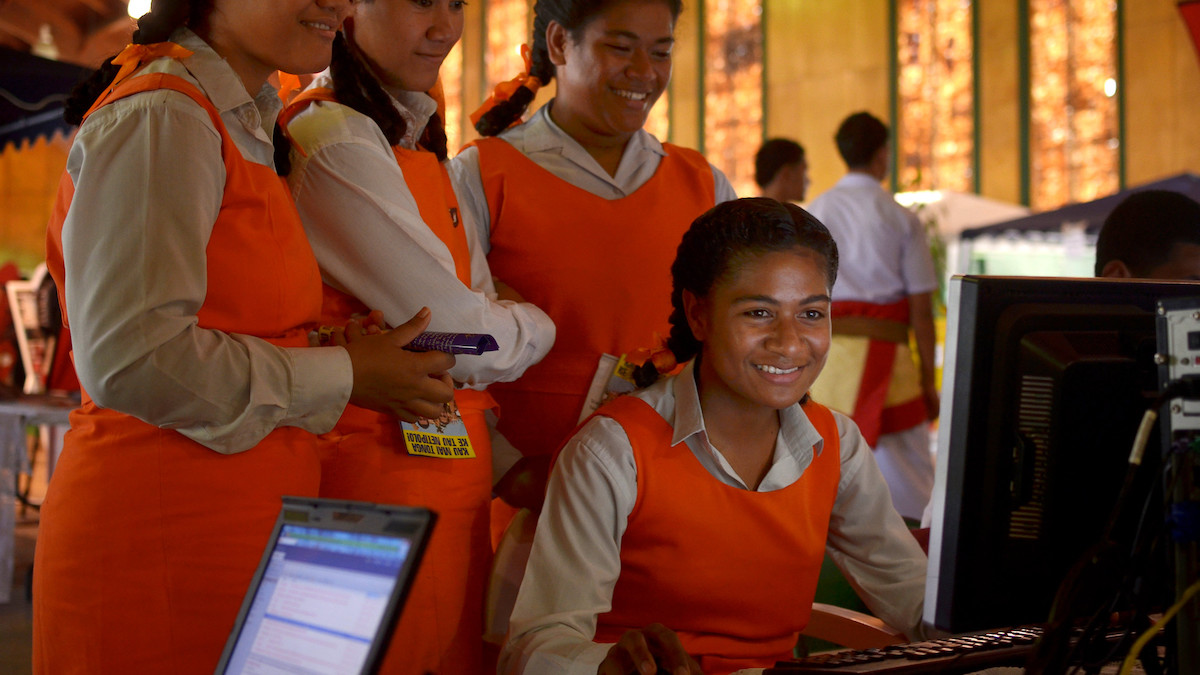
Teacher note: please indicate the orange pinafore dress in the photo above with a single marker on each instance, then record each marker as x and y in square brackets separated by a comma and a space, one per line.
[753, 557]
[441, 628]
[600, 268]
[148, 540]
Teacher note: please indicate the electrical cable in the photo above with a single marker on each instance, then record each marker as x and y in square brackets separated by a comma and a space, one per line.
[1051, 645]
[1131, 657]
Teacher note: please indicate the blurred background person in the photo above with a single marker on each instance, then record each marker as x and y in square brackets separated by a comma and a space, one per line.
[781, 170]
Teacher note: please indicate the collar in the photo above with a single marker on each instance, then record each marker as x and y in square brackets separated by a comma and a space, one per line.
[541, 134]
[797, 435]
[416, 107]
[858, 179]
[223, 87]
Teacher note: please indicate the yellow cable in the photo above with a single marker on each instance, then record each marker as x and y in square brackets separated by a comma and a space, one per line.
[1131, 657]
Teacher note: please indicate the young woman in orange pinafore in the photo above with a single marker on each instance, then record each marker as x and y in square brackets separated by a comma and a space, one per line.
[366, 171]
[190, 289]
[692, 516]
[581, 207]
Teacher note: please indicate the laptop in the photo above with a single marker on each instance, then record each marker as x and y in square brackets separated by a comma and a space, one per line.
[328, 591]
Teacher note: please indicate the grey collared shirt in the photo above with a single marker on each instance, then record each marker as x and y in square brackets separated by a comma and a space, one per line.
[149, 178]
[576, 555]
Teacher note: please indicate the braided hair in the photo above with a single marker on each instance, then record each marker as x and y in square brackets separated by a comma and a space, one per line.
[574, 16]
[722, 238]
[157, 25]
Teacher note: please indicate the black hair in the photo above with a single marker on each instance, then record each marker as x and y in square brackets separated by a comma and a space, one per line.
[775, 154]
[1144, 228]
[722, 238]
[859, 137]
[356, 86]
[574, 16]
[157, 25]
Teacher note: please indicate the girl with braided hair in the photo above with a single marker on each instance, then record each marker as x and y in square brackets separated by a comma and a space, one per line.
[692, 516]
[580, 207]
[190, 290]
[367, 175]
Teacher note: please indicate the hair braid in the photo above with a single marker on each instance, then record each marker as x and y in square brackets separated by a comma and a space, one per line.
[504, 114]
[434, 137]
[157, 25]
[355, 85]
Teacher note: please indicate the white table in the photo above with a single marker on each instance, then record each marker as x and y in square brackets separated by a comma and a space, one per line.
[16, 416]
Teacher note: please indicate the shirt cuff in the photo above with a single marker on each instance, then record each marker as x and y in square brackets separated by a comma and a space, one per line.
[322, 379]
[577, 658]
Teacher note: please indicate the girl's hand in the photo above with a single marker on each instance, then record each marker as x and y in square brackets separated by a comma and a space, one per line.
[325, 336]
[391, 379]
[649, 651]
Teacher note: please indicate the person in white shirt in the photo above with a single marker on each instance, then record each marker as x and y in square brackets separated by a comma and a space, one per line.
[190, 291]
[684, 525]
[377, 204]
[884, 293]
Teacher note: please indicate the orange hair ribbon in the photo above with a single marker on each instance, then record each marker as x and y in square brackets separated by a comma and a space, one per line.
[289, 84]
[505, 90]
[134, 56]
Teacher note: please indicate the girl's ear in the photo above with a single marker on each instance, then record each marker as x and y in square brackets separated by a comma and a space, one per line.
[696, 311]
[556, 43]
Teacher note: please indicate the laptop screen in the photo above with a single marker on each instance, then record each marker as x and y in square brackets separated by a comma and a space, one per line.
[324, 600]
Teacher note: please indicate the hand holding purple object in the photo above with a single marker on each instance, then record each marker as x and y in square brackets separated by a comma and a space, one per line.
[453, 343]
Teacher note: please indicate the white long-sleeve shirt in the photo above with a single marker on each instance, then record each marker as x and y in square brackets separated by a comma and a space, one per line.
[576, 556]
[149, 179]
[882, 246]
[371, 242]
[548, 146]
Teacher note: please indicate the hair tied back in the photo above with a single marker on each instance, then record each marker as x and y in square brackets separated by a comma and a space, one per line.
[505, 90]
[134, 55]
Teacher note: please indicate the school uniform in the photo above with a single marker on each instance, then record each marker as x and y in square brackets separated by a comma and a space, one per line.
[649, 522]
[593, 250]
[189, 291]
[389, 235]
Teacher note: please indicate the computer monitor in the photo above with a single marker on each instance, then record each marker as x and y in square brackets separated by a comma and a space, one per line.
[1044, 385]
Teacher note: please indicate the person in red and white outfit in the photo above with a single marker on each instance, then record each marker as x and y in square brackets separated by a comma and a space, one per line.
[885, 292]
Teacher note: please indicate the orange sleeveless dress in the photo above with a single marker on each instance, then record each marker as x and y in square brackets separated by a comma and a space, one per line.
[753, 557]
[148, 540]
[600, 268]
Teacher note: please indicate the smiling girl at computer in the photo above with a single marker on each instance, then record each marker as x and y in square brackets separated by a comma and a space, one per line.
[691, 518]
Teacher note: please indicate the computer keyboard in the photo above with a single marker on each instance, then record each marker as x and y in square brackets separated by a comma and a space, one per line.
[957, 654]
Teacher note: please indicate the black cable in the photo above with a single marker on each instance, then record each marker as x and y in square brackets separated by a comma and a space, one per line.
[1052, 653]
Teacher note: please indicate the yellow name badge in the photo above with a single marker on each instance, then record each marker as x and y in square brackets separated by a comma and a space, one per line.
[442, 438]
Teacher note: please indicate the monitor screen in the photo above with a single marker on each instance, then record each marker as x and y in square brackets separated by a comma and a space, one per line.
[327, 592]
[1044, 385]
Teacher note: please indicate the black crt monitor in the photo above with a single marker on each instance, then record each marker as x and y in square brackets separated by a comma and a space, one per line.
[1045, 382]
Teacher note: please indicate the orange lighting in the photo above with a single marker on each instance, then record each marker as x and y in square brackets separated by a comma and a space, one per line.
[733, 97]
[935, 130]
